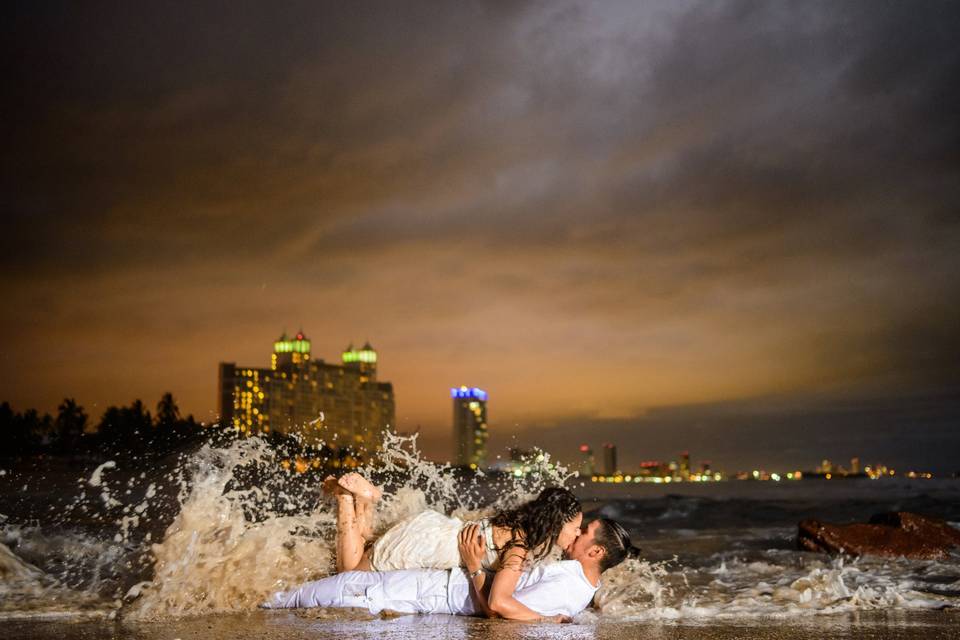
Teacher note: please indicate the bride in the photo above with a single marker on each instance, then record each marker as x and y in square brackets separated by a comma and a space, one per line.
[512, 539]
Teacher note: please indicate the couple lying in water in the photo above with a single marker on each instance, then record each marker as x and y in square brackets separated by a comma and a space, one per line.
[432, 563]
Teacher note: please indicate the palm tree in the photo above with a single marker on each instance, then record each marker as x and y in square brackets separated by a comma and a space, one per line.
[168, 414]
[70, 423]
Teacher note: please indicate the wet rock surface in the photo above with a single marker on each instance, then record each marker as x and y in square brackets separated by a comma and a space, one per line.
[894, 534]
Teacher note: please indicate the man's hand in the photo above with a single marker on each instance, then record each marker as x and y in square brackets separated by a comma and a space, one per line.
[472, 547]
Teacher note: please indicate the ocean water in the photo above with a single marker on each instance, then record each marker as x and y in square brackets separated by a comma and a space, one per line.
[198, 540]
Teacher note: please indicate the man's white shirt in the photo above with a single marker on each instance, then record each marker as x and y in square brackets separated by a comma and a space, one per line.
[556, 588]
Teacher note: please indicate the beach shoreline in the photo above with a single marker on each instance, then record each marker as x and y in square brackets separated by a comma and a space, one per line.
[318, 625]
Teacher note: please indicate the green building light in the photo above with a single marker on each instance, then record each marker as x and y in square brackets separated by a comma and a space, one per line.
[366, 355]
[300, 344]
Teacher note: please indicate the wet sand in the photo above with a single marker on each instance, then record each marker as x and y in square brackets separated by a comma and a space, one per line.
[313, 625]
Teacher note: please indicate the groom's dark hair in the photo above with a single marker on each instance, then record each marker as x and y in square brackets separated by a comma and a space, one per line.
[615, 541]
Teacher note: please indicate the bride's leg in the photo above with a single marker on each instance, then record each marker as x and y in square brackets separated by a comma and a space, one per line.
[365, 512]
[331, 487]
[365, 494]
[349, 539]
[359, 486]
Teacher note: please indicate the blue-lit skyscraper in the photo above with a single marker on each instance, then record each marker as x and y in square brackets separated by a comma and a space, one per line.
[469, 426]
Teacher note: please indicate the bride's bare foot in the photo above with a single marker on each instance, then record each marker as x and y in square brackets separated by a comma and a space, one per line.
[332, 488]
[360, 487]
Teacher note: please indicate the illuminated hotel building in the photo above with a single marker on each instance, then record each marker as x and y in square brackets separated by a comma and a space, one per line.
[469, 426]
[342, 405]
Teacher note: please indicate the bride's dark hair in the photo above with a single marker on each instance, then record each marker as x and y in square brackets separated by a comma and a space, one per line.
[534, 526]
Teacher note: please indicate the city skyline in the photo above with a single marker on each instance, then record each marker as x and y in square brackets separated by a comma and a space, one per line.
[729, 227]
[672, 429]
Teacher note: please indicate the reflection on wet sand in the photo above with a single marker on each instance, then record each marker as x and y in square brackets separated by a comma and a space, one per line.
[928, 625]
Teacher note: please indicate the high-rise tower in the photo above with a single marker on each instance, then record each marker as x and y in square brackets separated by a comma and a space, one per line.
[685, 465]
[469, 426]
[610, 459]
[588, 464]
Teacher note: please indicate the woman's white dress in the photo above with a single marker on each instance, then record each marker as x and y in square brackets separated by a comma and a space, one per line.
[427, 540]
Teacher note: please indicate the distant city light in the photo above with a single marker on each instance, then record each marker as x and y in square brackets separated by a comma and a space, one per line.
[658, 472]
[367, 356]
[300, 345]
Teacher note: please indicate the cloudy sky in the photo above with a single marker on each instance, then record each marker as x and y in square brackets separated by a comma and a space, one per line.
[722, 226]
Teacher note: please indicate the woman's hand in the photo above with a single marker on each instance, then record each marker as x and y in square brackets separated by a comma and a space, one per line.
[472, 547]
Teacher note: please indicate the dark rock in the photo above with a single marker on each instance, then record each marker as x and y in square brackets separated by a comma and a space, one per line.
[887, 534]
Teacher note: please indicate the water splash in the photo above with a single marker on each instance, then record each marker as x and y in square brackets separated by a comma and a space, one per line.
[783, 586]
[238, 526]
[414, 484]
[635, 585]
[215, 557]
[231, 546]
[27, 591]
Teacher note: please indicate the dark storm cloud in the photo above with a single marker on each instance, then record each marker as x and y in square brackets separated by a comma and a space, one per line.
[190, 125]
[721, 199]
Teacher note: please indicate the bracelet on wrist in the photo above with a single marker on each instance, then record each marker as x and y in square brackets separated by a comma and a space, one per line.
[474, 574]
